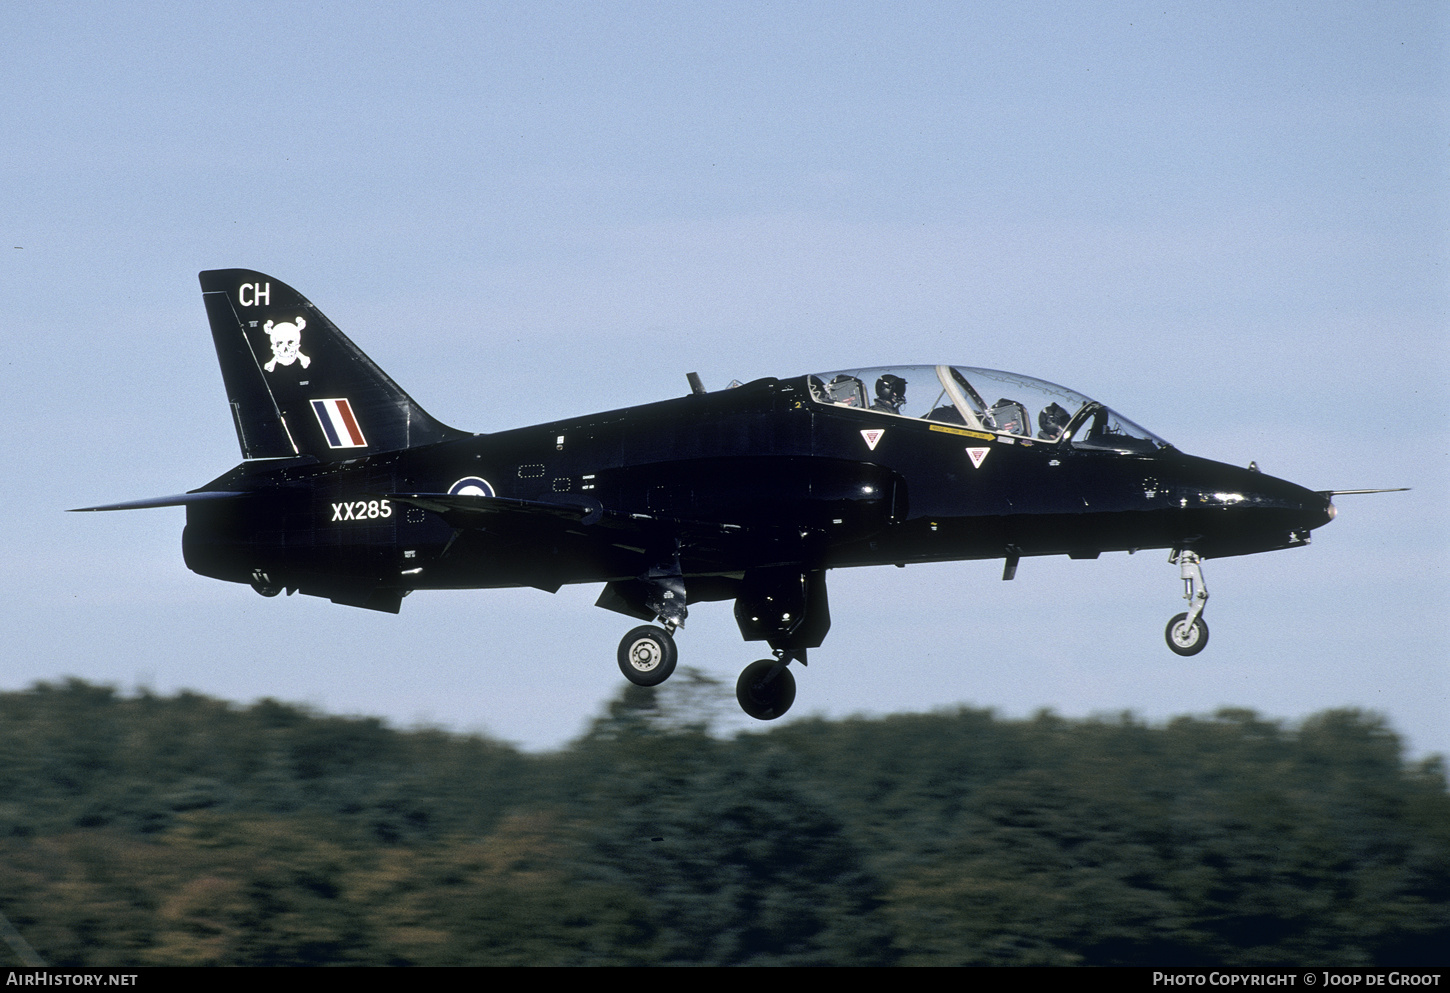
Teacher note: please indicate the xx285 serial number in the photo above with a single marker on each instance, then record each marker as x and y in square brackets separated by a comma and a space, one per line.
[361, 510]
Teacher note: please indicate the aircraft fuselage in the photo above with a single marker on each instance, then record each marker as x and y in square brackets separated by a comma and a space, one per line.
[771, 478]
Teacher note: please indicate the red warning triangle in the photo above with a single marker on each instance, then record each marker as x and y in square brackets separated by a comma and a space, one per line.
[977, 455]
[872, 436]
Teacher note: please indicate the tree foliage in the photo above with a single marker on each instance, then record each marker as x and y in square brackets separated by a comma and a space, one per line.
[153, 830]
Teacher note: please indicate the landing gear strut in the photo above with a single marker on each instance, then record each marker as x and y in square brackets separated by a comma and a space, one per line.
[786, 608]
[766, 689]
[1187, 634]
[647, 655]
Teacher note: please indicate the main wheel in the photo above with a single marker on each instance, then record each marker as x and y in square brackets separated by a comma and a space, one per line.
[647, 655]
[761, 697]
[1185, 638]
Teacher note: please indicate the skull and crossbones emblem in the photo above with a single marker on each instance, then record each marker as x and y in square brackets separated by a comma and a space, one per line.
[286, 344]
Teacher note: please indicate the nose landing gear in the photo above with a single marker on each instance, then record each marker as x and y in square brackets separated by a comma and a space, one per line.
[1186, 637]
[1187, 634]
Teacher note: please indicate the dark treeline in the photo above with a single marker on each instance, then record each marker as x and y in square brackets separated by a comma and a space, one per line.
[154, 830]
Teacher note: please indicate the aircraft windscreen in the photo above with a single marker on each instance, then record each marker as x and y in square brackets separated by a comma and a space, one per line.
[985, 400]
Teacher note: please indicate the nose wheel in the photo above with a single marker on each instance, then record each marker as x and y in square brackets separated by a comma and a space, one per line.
[1187, 634]
[1186, 637]
[647, 655]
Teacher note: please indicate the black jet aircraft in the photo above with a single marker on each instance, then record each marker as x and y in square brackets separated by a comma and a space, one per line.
[349, 490]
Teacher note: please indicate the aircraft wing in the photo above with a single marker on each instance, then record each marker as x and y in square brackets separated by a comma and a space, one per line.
[476, 512]
[573, 512]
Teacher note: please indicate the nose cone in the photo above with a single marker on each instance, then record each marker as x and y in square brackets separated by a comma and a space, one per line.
[1304, 509]
[1246, 511]
[1315, 507]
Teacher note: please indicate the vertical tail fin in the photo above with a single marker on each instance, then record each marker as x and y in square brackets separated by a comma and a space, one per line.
[296, 384]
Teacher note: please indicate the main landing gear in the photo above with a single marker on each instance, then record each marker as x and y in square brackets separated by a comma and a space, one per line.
[1187, 634]
[783, 606]
[264, 584]
[766, 689]
[647, 655]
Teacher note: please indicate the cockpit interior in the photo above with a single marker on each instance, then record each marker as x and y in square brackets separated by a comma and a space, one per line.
[1023, 407]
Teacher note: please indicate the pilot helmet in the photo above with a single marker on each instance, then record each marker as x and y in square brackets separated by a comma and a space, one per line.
[1053, 419]
[891, 388]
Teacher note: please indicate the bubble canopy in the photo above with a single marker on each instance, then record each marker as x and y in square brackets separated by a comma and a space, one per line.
[986, 400]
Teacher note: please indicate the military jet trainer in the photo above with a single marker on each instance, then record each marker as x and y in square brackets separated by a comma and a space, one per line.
[349, 490]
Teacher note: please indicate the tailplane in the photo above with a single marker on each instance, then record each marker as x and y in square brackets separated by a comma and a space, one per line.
[296, 384]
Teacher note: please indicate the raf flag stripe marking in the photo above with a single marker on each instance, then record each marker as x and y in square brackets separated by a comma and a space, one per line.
[338, 423]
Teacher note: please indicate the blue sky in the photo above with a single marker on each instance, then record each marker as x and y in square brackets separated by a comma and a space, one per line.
[1227, 221]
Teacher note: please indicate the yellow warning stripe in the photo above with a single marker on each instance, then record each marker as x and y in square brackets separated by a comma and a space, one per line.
[963, 432]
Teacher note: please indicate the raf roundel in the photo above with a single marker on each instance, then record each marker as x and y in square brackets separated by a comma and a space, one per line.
[471, 486]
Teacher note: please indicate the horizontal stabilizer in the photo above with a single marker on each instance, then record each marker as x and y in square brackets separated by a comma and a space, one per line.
[179, 500]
